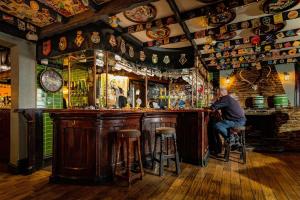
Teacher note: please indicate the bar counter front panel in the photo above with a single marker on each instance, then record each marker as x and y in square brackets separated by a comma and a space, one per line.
[83, 148]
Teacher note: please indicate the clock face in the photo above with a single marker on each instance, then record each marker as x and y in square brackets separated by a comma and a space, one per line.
[51, 80]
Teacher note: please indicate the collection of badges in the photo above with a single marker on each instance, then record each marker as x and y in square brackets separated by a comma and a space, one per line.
[263, 25]
[254, 40]
[95, 38]
[20, 24]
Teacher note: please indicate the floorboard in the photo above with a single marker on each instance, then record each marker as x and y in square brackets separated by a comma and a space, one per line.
[265, 176]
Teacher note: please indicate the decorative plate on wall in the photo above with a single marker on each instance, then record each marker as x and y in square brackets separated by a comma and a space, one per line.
[225, 36]
[66, 8]
[221, 15]
[276, 6]
[266, 29]
[51, 80]
[141, 14]
[33, 11]
[156, 33]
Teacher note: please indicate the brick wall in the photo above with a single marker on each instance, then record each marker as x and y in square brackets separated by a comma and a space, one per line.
[267, 86]
[287, 128]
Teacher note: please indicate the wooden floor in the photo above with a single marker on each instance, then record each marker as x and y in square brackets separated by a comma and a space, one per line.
[266, 176]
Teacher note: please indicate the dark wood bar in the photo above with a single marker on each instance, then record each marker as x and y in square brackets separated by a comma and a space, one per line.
[84, 140]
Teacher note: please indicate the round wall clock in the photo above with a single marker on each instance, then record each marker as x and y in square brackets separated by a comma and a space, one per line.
[276, 6]
[156, 33]
[141, 14]
[51, 80]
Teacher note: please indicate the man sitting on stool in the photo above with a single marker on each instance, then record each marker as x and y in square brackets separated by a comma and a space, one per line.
[232, 116]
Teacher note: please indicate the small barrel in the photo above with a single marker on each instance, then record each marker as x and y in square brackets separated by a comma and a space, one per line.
[258, 102]
[281, 101]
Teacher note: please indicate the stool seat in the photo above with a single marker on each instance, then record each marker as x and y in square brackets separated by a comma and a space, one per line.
[165, 130]
[239, 128]
[131, 133]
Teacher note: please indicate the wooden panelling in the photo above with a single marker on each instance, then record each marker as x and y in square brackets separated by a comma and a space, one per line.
[84, 141]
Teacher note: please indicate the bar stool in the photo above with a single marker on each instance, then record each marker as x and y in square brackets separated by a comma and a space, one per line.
[165, 134]
[130, 137]
[240, 130]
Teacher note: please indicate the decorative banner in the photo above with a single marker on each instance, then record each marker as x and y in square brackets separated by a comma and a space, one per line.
[21, 25]
[142, 56]
[154, 58]
[141, 14]
[123, 46]
[131, 52]
[182, 59]
[79, 39]
[231, 44]
[254, 23]
[166, 60]
[95, 37]
[62, 45]
[47, 47]
[112, 40]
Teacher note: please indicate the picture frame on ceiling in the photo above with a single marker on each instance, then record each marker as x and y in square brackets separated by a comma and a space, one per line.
[156, 33]
[221, 15]
[141, 14]
[277, 6]
[225, 36]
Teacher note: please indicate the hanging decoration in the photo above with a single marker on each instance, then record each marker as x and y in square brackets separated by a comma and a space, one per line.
[79, 39]
[166, 59]
[47, 47]
[95, 37]
[276, 6]
[123, 46]
[154, 58]
[62, 44]
[142, 56]
[270, 28]
[182, 59]
[156, 33]
[225, 36]
[114, 21]
[141, 14]
[112, 40]
[131, 52]
[221, 15]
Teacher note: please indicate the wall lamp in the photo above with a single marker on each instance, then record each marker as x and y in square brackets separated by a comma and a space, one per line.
[286, 76]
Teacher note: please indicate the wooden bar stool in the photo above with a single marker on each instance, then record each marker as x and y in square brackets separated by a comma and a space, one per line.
[165, 134]
[240, 130]
[130, 138]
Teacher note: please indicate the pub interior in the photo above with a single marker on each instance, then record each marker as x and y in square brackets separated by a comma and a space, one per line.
[106, 99]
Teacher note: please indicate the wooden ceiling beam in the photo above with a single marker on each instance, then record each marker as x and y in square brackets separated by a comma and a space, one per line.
[88, 17]
[183, 25]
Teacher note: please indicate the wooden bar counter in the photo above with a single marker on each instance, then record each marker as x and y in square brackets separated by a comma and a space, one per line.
[83, 148]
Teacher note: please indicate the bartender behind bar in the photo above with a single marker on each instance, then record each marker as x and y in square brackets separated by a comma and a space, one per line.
[122, 100]
[232, 116]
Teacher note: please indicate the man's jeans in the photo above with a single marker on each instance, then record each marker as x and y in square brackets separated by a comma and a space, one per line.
[224, 125]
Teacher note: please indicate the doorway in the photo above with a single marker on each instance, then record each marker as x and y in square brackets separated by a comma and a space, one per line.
[5, 104]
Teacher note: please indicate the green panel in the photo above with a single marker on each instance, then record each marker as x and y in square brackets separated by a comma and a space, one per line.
[50, 101]
[47, 135]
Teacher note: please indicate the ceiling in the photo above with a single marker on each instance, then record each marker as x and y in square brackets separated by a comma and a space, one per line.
[176, 24]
